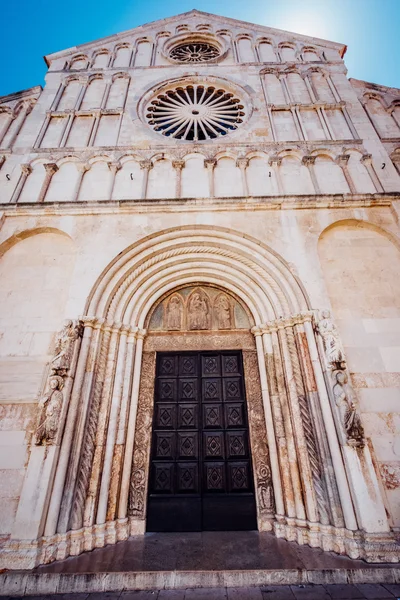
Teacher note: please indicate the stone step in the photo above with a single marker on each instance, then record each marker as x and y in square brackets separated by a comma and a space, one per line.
[23, 583]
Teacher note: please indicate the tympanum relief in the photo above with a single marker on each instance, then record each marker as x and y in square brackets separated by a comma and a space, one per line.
[199, 309]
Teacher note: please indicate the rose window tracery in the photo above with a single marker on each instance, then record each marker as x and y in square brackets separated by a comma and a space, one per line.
[195, 112]
[194, 52]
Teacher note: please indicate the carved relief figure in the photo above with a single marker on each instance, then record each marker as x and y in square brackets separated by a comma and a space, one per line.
[349, 416]
[198, 311]
[223, 312]
[50, 410]
[330, 337]
[65, 345]
[174, 313]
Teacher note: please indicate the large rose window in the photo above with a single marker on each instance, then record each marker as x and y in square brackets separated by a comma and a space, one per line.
[194, 52]
[195, 112]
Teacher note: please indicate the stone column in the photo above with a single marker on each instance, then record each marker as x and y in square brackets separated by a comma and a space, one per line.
[26, 170]
[275, 160]
[349, 122]
[50, 168]
[366, 159]
[329, 133]
[6, 127]
[78, 405]
[20, 120]
[269, 422]
[299, 122]
[309, 162]
[340, 473]
[68, 126]
[310, 88]
[243, 163]
[82, 168]
[145, 165]
[392, 113]
[332, 88]
[130, 437]
[42, 131]
[210, 164]
[95, 126]
[342, 161]
[178, 165]
[114, 168]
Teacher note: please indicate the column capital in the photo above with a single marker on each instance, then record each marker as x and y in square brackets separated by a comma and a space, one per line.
[257, 330]
[141, 334]
[366, 158]
[114, 166]
[82, 167]
[210, 163]
[178, 164]
[275, 160]
[51, 168]
[242, 163]
[26, 169]
[146, 165]
[343, 159]
[308, 160]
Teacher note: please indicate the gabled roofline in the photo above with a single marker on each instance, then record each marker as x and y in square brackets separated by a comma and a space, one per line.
[22, 94]
[384, 88]
[117, 36]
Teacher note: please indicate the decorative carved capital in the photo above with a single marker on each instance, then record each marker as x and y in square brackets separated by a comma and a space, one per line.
[242, 163]
[308, 160]
[114, 166]
[343, 159]
[82, 167]
[26, 169]
[51, 168]
[210, 163]
[178, 164]
[141, 334]
[146, 165]
[257, 330]
[366, 158]
[275, 160]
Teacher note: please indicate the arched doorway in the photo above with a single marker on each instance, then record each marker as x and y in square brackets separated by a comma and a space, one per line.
[98, 494]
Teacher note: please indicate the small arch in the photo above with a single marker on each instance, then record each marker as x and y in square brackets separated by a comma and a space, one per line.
[143, 52]
[194, 178]
[295, 175]
[79, 62]
[310, 54]
[287, 52]
[122, 55]
[63, 184]
[162, 179]
[94, 93]
[72, 87]
[266, 50]
[118, 91]
[227, 177]
[261, 178]
[330, 176]
[101, 59]
[245, 48]
[129, 179]
[33, 183]
[96, 181]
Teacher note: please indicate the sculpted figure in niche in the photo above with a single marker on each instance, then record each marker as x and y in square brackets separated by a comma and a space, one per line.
[198, 311]
[50, 411]
[174, 314]
[223, 312]
[330, 338]
[65, 346]
[348, 412]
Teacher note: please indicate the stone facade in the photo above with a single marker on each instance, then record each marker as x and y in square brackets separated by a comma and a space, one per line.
[199, 183]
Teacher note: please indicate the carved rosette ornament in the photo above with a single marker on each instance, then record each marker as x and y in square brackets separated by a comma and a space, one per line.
[51, 404]
[390, 476]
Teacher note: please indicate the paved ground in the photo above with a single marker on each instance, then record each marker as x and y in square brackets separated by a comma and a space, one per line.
[206, 551]
[293, 592]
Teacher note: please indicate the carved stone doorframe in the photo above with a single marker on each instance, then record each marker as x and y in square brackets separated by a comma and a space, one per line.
[201, 341]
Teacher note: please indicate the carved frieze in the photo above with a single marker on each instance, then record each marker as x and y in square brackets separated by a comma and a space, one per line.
[199, 308]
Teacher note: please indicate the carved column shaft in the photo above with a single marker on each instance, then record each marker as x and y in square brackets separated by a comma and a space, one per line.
[81, 172]
[342, 161]
[329, 133]
[269, 422]
[19, 120]
[112, 429]
[289, 436]
[5, 128]
[309, 162]
[295, 396]
[95, 126]
[178, 165]
[130, 437]
[26, 170]
[67, 129]
[99, 432]
[274, 381]
[210, 165]
[243, 163]
[50, 168]
[275, 160]
[369, 165]
[145, 165]
[114, 168]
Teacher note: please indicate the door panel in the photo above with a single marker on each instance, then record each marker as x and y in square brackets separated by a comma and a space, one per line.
[200, 473]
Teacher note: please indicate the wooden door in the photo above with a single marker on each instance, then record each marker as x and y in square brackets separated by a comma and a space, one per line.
[200, 471]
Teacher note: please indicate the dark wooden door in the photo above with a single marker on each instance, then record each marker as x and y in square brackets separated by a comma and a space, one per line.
[200, 471]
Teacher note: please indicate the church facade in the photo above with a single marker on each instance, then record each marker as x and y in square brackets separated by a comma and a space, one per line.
[200, 299]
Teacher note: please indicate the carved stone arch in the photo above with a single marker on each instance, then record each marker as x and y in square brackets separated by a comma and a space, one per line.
[83, 58]
[101, 52]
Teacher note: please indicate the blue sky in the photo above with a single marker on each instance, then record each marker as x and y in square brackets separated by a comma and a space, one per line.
[29, 30]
